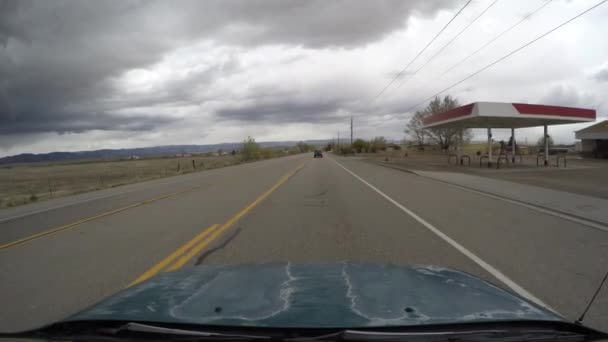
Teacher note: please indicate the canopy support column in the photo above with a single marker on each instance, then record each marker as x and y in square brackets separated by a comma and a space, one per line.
[459, 147]
[546, 146]
[489, 147]
[513, 145]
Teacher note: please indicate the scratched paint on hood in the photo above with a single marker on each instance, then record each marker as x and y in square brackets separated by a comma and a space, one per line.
[315, 295]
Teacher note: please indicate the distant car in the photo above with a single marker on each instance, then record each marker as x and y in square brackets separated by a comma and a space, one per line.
[318, 154]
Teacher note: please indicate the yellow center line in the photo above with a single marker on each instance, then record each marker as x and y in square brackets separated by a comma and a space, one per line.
[161, 265]
[74, 224]
[194, 251]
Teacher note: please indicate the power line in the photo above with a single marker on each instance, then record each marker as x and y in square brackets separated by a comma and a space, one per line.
[419, 53]
[495, 38]
[448, 43]
[509, 54]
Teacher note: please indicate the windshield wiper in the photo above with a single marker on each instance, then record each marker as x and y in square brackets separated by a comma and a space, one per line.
[152, 332]
[465, 336]
[197, 334]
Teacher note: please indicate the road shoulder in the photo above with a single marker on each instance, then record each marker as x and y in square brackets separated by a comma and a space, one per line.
[583, 207]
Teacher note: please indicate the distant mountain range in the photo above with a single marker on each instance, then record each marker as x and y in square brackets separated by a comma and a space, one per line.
[114, 154]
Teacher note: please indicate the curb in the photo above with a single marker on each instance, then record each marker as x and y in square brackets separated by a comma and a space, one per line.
[393, 167]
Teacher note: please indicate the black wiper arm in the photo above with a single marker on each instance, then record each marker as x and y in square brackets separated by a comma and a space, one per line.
[153, 329]
[466, 336]
[474, 335]
[363, 335]
[367, 335]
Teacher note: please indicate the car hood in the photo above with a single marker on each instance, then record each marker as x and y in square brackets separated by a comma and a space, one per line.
[334, 295]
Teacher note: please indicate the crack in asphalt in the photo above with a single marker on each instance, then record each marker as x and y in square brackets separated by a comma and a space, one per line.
[224, 243]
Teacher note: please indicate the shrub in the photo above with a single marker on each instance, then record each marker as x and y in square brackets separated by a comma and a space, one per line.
[360, 145]
[344, 150]
[303, 147]
[251, 149]
[267, 153]
[377, 144]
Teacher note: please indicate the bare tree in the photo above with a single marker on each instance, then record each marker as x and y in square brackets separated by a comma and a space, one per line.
[414, 129]
[444, 137]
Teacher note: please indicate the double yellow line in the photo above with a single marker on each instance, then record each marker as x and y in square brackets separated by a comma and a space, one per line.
[193, 247]
[166, 261]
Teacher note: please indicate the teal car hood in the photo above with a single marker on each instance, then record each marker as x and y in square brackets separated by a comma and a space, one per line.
[334, 295]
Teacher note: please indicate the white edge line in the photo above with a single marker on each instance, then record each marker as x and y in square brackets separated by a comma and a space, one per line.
[489, 268]
[10, 218]
[86, 200]
[65, 205]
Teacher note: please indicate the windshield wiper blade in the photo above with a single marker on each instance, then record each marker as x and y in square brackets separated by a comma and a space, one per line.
[473, 335]
[467, 336]
[153, 329]
[367, 335]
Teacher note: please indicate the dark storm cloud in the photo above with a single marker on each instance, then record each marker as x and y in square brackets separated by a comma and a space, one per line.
[308, 104]
[317, 23]
[77, 123]
[7, 10]
[602, 75]
[268, 105]
[189, 89]
[571, 96]
[563, 96]
[56, 63]
[283, 111]
[58, 58]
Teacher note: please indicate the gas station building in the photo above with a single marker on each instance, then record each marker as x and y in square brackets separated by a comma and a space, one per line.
[594, 140]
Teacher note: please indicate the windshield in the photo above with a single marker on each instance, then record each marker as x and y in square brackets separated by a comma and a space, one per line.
[302, 165]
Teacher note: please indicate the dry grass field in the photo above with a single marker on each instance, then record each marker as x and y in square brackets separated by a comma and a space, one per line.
[25, 183]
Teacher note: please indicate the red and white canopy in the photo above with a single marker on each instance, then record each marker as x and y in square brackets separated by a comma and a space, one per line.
[508, 115]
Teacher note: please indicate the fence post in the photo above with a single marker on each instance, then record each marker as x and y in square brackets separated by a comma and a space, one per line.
[50, 187]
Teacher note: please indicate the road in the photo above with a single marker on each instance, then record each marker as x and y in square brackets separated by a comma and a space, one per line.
[58, 257]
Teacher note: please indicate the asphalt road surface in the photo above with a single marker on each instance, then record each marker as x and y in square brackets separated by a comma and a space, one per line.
[58, 257]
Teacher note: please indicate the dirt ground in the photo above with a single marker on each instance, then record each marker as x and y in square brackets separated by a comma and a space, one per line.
[582, 176]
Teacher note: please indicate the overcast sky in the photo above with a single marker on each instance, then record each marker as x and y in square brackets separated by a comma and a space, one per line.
[79, 75]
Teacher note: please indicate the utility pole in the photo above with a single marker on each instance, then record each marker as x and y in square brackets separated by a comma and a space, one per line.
[338, 139]
[351, 131]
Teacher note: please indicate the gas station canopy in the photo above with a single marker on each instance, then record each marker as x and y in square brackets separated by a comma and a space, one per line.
[507, 115]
